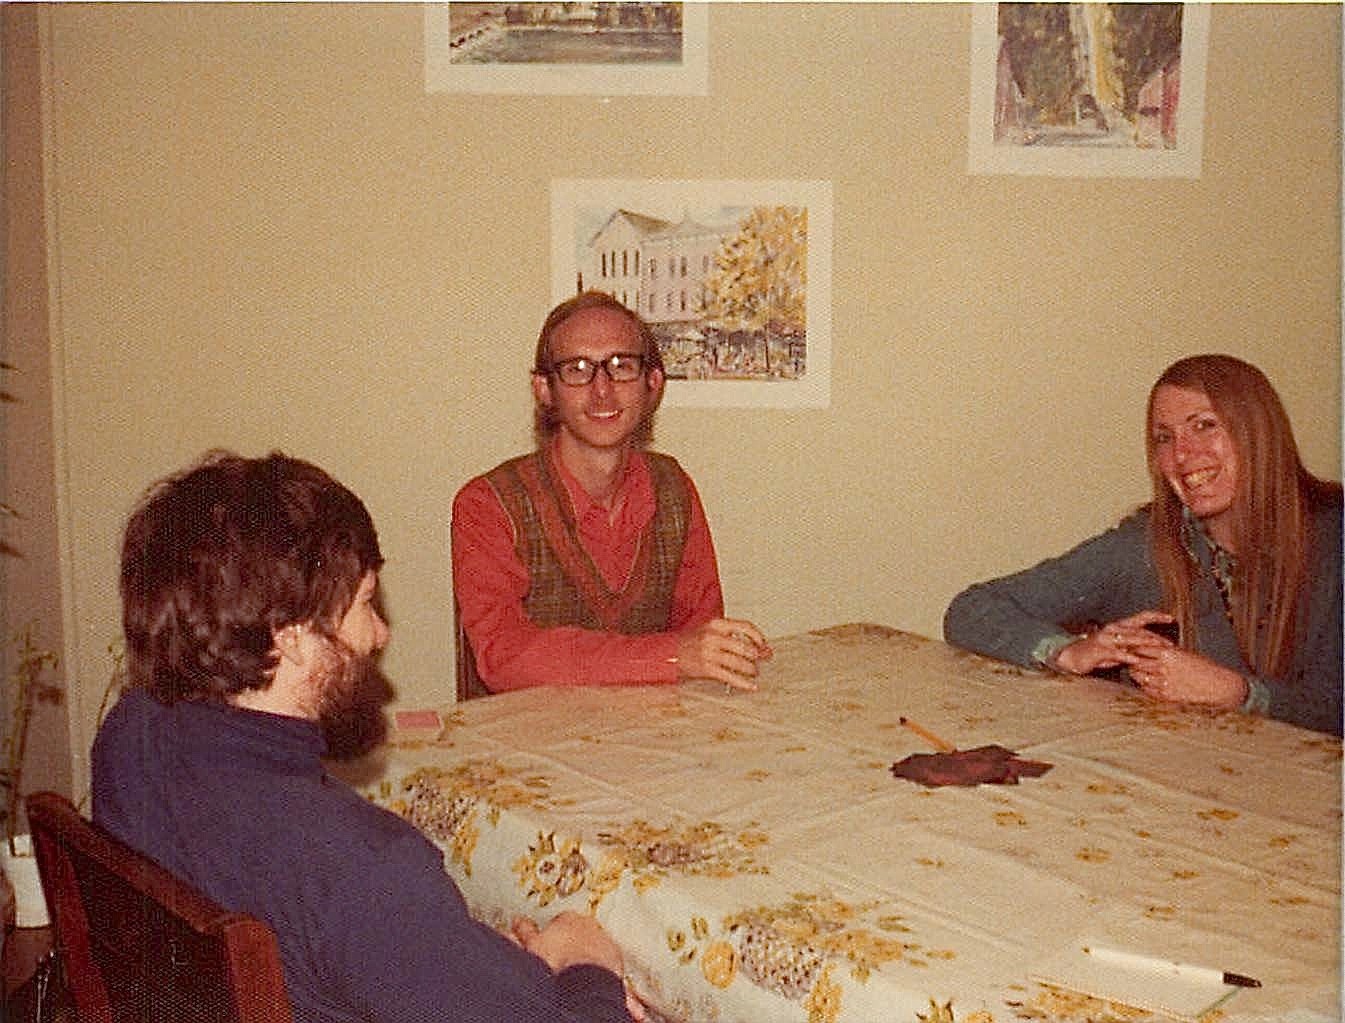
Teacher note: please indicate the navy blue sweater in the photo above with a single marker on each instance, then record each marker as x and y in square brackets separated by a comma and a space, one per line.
[370, 927]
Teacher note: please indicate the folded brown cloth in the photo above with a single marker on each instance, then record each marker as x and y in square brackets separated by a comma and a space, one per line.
[984, 765]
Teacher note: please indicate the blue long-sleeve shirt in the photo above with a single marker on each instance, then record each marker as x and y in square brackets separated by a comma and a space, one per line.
[369, 925]
[1112, 575]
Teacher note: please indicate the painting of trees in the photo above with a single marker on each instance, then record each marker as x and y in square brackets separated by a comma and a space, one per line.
[760, 281]
[1145, 37]
[1041, 47]
[1081, 67]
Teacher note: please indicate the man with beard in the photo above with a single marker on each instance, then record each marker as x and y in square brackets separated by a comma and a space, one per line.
[249, 595]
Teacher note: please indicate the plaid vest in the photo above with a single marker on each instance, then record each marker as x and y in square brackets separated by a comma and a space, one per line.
[564, 585]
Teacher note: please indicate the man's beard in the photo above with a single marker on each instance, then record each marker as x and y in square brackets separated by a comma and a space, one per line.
[352, 692]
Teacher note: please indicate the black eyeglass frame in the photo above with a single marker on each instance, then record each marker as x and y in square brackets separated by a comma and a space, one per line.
[558, 369]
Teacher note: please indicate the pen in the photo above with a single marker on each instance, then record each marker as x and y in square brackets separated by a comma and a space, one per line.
[1204, 973]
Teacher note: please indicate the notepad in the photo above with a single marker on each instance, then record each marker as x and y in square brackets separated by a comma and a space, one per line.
[1139, 981]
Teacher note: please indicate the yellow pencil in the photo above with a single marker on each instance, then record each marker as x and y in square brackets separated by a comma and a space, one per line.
[942, 745]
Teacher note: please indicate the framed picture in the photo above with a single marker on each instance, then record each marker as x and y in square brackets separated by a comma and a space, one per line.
[1088, 89]
[734, 277]
[567, 49]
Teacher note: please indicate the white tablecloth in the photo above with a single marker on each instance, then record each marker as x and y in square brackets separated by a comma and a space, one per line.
[757, 860]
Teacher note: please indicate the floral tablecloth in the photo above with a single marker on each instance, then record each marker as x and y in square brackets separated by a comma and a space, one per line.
[758, 862]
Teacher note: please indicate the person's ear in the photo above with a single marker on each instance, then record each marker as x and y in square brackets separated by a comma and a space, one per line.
[541, 389]
[656, 380]
[289, 643]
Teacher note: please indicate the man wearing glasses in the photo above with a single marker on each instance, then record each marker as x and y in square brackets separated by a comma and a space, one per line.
[589, 561]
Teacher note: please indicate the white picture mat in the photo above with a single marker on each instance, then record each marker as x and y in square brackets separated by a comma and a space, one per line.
[985, 157]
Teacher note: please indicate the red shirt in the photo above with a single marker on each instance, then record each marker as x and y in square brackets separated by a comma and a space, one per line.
[490, 583]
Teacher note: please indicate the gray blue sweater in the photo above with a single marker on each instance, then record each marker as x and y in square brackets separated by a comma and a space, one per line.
[1112, 575]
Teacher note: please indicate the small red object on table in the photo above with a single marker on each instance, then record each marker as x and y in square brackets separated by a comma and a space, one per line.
[984, 765]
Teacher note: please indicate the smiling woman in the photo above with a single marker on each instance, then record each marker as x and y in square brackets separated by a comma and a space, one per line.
[1193, 451]
[1240, 549]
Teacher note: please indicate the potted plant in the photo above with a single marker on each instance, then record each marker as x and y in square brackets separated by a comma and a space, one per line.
[29, 686]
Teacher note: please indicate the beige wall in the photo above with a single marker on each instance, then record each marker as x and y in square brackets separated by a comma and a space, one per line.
[266, 234]
[30, 577]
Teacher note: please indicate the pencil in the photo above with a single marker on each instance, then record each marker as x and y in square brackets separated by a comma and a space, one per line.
[942, 745]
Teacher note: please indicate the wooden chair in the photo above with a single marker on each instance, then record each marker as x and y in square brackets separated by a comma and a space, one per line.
[470, 685]
[139, 945]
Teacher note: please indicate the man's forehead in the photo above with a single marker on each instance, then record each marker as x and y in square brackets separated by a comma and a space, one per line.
[594, 329]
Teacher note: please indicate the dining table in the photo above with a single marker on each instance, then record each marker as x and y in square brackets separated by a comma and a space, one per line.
[758, 858]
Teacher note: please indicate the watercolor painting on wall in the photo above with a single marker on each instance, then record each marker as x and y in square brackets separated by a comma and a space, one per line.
[734, 277]
[570, 49]
[1088, 89]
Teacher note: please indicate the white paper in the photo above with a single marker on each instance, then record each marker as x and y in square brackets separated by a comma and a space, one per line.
[1140, 981]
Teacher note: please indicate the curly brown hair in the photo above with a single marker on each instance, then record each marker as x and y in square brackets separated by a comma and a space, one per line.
[219, 557]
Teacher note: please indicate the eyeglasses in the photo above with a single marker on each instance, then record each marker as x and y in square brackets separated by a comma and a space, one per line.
[620, 367]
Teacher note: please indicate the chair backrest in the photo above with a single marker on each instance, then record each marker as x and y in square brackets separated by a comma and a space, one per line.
[470, 685]
[137, 943]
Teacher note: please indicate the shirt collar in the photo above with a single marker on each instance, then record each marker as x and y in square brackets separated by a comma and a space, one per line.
[1204, 549]
[583, 505]
[287, 743]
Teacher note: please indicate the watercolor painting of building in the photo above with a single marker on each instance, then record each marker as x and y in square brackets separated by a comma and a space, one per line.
[565, 33]
[733, 278]
[567, 49]
[727, 298]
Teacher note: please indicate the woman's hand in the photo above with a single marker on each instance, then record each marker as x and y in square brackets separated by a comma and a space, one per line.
[1161, 669]
[1113, 644]
[1184, 676]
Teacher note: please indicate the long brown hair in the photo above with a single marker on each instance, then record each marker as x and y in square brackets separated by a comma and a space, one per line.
[1271, 513]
